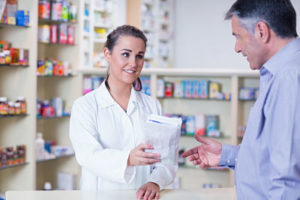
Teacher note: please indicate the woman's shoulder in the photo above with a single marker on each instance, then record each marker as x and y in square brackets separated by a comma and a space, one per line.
[88, 100]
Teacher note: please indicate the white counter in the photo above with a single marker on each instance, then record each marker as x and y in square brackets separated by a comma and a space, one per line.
[205, 194]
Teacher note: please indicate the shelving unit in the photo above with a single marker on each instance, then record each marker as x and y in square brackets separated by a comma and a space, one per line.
[56, 86]
[155, 18]
[99, 19]
[233, 113]
[20, 81]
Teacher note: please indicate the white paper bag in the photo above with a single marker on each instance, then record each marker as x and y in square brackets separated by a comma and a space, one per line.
[163, 134]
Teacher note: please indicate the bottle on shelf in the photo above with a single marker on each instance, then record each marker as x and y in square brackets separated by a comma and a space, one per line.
[40, 146]
[23, 105]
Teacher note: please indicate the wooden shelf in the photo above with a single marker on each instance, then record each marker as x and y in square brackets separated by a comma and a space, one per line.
[13, 166]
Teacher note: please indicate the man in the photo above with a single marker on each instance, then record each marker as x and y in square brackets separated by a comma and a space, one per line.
[267, 163]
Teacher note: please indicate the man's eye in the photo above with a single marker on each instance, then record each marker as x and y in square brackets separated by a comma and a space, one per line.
[125, 54]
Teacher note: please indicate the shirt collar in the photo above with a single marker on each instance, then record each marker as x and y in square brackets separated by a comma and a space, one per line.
[105, 99]
[276, 62]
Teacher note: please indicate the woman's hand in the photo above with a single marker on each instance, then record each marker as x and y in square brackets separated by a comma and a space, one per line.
[148, 191]
[138, 156]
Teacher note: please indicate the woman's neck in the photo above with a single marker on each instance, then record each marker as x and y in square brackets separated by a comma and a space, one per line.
[120, 92]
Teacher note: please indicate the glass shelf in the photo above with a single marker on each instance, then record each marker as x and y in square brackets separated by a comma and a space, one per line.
[56, 157]
[11, 116]
[9, 65]
[50, 21]
[12, 25]
[62, 76]
[59, 44]
[13, 166]
[55, 117]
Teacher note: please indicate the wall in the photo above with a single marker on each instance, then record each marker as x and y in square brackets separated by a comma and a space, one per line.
[203, 39]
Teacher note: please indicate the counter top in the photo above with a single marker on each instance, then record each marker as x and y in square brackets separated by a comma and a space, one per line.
[205, 194]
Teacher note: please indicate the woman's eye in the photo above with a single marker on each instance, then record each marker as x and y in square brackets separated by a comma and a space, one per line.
[125, 54]
[140, 56]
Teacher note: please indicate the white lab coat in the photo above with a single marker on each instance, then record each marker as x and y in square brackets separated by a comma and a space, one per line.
[103, 135]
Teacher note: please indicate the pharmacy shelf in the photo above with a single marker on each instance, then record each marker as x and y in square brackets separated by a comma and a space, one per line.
[56, 158]
[56, 76]
[197, 99]
[197, 167]
[48, 21]
[12, 66]
[182, 72]
[58, 44]
[13, 166]
[55, 117]
[11, 116]
[12, 25]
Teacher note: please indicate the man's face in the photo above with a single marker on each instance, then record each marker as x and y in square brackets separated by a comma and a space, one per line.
[247, 44]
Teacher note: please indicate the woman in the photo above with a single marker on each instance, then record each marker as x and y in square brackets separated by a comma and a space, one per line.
[106, 129]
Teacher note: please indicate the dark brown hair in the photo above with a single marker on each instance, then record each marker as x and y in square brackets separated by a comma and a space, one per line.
[112, 39]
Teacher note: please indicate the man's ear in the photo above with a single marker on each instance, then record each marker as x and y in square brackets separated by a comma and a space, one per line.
[107, 54]
[262, 32]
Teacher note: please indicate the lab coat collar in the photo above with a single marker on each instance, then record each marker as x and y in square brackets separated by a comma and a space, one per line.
[105, 99]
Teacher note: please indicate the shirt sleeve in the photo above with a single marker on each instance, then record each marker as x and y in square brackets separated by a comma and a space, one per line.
[283, 128]
[163, 174]
[229, 156]
[109, 164]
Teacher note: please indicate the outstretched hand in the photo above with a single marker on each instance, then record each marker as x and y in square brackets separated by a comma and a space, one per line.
[208, 154]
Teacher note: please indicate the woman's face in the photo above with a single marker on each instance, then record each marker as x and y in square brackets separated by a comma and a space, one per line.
[126, 60]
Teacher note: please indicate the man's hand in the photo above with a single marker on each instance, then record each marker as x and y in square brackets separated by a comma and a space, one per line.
[138, 156]
[148, 191]
[208, 154]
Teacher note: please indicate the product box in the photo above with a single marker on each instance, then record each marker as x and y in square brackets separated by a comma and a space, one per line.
[145, 85]
[96, 82]
[11, 11]
[63, 33]
[2, 11]
[187, 89]
[203, 89]
[195, 89]
[160, 88]
[190, 125]
[57, 104]
[71, 35]
[212, 126]
[87, 85]
[178, 89]
[214, 89]
[66, 181]
[169, 88]
[200, 124]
